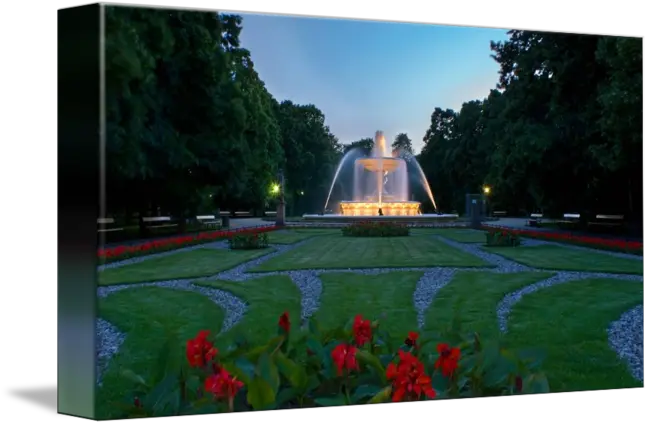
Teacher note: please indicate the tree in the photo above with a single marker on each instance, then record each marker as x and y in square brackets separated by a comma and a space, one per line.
[403, 143]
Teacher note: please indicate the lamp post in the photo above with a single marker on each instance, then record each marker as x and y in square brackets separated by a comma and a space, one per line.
[280, 212]
[486, 189]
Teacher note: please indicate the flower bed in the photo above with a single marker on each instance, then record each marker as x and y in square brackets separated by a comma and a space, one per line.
[375, 229]
[355, 364]
[249, 241]
[501, 238]
[116, 253]
[617, 245]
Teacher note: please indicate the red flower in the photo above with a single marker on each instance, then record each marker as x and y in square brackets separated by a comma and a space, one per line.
[409, 379]
[222, 385]
[283, 322]
[362, 330]
[199, 350]
[345, 357]
[519, 384]
[448, 359]
[411, 340]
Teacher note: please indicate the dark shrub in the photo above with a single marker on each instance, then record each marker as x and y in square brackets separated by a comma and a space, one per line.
[502, 238]
[375, 229]
[249, 241]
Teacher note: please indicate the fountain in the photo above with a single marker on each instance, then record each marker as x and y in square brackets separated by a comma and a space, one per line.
[380, 188]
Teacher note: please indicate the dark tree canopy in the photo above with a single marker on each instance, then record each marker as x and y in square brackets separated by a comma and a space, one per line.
[191, 126]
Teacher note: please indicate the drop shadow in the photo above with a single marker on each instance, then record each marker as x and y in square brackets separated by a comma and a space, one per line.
[45, 397]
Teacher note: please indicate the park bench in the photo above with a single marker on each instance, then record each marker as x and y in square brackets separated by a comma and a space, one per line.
[607, 221]
[270, 213]
[535, 219]
[243, 214]
[158, 222]
[107, 225]
[209, 221]
[569, 220]
[500, 213]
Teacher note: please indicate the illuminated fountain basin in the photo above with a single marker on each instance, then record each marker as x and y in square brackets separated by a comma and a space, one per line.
[356, 208]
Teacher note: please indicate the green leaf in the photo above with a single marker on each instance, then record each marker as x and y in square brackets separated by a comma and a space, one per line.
[294, 373]
[242, 369]
[171, 404]
[372, 361]
[163, 365]
[268, 370]
[467, 364]
[313, 383]
[260, 395]
[331, 401]
[285, 395]
[132, 376]
[193, 383]
[440, 382]
[313, 326]
[382, 396]
[272, 345]
[536, 384]
[158, 396]
[533, 358]
[498, 372]
[364, 391]
[316, 347]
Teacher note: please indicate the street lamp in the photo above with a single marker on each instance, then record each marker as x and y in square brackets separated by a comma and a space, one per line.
[487, 190]
[275, 188]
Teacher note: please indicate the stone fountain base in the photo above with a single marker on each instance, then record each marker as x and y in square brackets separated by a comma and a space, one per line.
[420, 219]
[390, 208]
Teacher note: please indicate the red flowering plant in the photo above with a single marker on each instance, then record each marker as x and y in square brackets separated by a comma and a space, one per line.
[308, 367]
[619, 245]
[117, 253]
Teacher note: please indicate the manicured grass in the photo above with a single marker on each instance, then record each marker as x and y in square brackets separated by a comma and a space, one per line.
[458, 235]
[336, 251]
[289, 236]
[147, 315]
[471, 299]
[189, 264]
[553, 257]
[570, 322]
[267, 298]
[387, 297]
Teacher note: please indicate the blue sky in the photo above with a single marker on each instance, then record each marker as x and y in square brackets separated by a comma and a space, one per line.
[367, 76]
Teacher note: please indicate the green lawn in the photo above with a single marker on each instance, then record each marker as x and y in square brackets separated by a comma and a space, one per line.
[462, 235]
[471, 298]
[289, 236]
[268, 297]
[147, 315]
[387, 297]
[336, 251]
[189, 264]
[553, 257]
[570, 322]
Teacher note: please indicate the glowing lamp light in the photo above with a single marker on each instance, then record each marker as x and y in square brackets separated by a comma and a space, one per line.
[275, 188]
[487, 190]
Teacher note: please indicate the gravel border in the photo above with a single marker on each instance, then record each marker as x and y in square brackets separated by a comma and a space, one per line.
[623, 334]
[626, 338]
